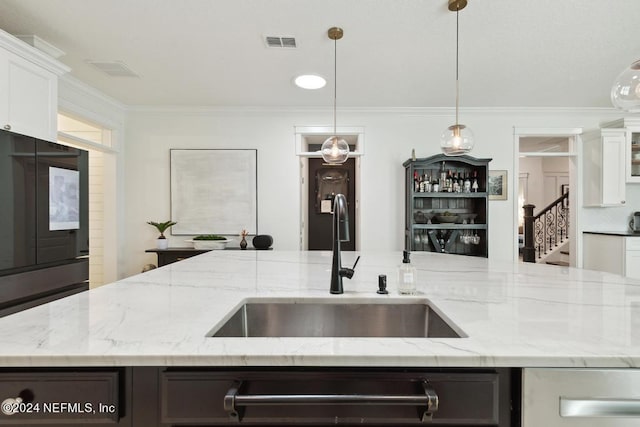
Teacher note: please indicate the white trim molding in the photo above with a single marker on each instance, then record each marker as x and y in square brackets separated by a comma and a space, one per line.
[31, 54]
[301, 132]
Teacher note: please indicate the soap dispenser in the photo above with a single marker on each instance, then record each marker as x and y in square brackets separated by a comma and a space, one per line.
[407, 276]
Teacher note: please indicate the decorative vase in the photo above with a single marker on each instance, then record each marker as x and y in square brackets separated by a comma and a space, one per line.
[243, 243]
[162, 243]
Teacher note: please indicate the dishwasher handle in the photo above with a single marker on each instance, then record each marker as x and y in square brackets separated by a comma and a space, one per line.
[235, 402]
[604, 407]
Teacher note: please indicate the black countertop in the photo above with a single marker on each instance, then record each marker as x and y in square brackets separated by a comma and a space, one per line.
[614, 233]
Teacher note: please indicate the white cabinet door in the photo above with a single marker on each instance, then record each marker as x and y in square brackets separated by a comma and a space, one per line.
[604, 168]
[632, 257]
[602, 252]
[632, 263]
[580, 397]
[613, 169]
[30, 106]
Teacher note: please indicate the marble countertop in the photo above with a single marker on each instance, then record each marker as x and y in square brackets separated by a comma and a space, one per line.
[519, 315]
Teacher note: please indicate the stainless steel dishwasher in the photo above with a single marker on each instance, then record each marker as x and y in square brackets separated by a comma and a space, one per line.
[340, 396]
[581, 397]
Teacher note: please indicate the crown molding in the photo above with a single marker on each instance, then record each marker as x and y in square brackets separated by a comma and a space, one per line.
[86, 89]
[404, 111]
[31, 54]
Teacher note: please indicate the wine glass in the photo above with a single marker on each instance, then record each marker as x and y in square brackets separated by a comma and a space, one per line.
[476, 239]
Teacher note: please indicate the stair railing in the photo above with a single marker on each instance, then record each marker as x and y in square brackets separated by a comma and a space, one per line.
[546, 230]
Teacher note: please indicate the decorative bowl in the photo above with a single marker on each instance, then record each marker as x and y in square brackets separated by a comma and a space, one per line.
[447, 219]
[209, 244]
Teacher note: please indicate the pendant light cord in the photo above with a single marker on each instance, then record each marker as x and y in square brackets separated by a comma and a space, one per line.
[335, 81]
[457, 49]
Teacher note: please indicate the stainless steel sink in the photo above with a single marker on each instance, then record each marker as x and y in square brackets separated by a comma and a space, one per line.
[331, 318]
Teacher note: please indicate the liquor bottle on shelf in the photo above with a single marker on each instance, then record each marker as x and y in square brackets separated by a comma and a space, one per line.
[449, 182]
[443, 178]
[436, 186]
[416, 182]
[455, 186]
[427, 183]
[475, 186]
[466, 185]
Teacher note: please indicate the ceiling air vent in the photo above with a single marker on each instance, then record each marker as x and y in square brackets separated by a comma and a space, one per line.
[280, 41]
[114, 68]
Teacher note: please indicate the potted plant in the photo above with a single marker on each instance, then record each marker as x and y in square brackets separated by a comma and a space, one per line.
[210, 241]
[162, 227]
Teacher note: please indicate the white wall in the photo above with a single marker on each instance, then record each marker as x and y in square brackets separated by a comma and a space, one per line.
[535, 193]
[537, 168]
[389, 137]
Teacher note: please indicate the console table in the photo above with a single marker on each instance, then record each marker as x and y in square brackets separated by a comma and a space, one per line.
[170, 255]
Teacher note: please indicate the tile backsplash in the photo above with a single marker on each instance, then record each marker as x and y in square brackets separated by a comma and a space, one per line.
[613, 218]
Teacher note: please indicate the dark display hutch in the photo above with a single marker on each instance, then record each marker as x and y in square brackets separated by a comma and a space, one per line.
[447, 205]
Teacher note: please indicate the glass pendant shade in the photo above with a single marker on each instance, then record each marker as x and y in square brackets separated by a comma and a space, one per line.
[456, 140]
[625, 93]
[335, 150]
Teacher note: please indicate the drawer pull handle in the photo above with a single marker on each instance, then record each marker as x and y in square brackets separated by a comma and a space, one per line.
[7, 127]
[234, 402]
[604, 407]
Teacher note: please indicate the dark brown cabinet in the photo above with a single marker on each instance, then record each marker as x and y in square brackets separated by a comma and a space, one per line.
[335, 396]
[147, 396]
[65, 396]
[447, 205]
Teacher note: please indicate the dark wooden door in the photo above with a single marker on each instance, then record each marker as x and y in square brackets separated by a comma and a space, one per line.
[324, 182]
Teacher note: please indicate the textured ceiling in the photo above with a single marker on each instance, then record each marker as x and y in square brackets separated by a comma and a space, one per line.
[395, 53]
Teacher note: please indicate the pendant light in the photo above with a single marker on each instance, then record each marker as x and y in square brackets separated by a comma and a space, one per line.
[457, 139]
[625, 93]
[335, 150]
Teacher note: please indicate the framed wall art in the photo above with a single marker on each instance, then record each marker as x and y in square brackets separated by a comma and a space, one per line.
[214, 191]
[497, 185]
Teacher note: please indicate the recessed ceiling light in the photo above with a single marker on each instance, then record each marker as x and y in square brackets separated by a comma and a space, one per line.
[310, 81]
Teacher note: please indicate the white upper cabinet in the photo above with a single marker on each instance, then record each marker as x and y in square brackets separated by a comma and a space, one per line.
[28, 89]
[604, 167]
[630, 129]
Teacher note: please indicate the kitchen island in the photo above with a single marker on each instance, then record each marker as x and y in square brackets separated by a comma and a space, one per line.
[521, 315]
[511, 316]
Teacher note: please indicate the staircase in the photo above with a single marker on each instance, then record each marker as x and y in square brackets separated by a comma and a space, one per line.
[560, 256]
[546, 235]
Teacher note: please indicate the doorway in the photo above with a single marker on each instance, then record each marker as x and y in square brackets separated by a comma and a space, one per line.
[548, 166]
[97, 140]
[315, 223]
[324, 181]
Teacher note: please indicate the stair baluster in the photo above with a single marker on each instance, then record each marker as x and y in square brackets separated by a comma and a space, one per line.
[544, 231]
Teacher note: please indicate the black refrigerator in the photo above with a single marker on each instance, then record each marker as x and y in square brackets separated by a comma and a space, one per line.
[44, 229]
